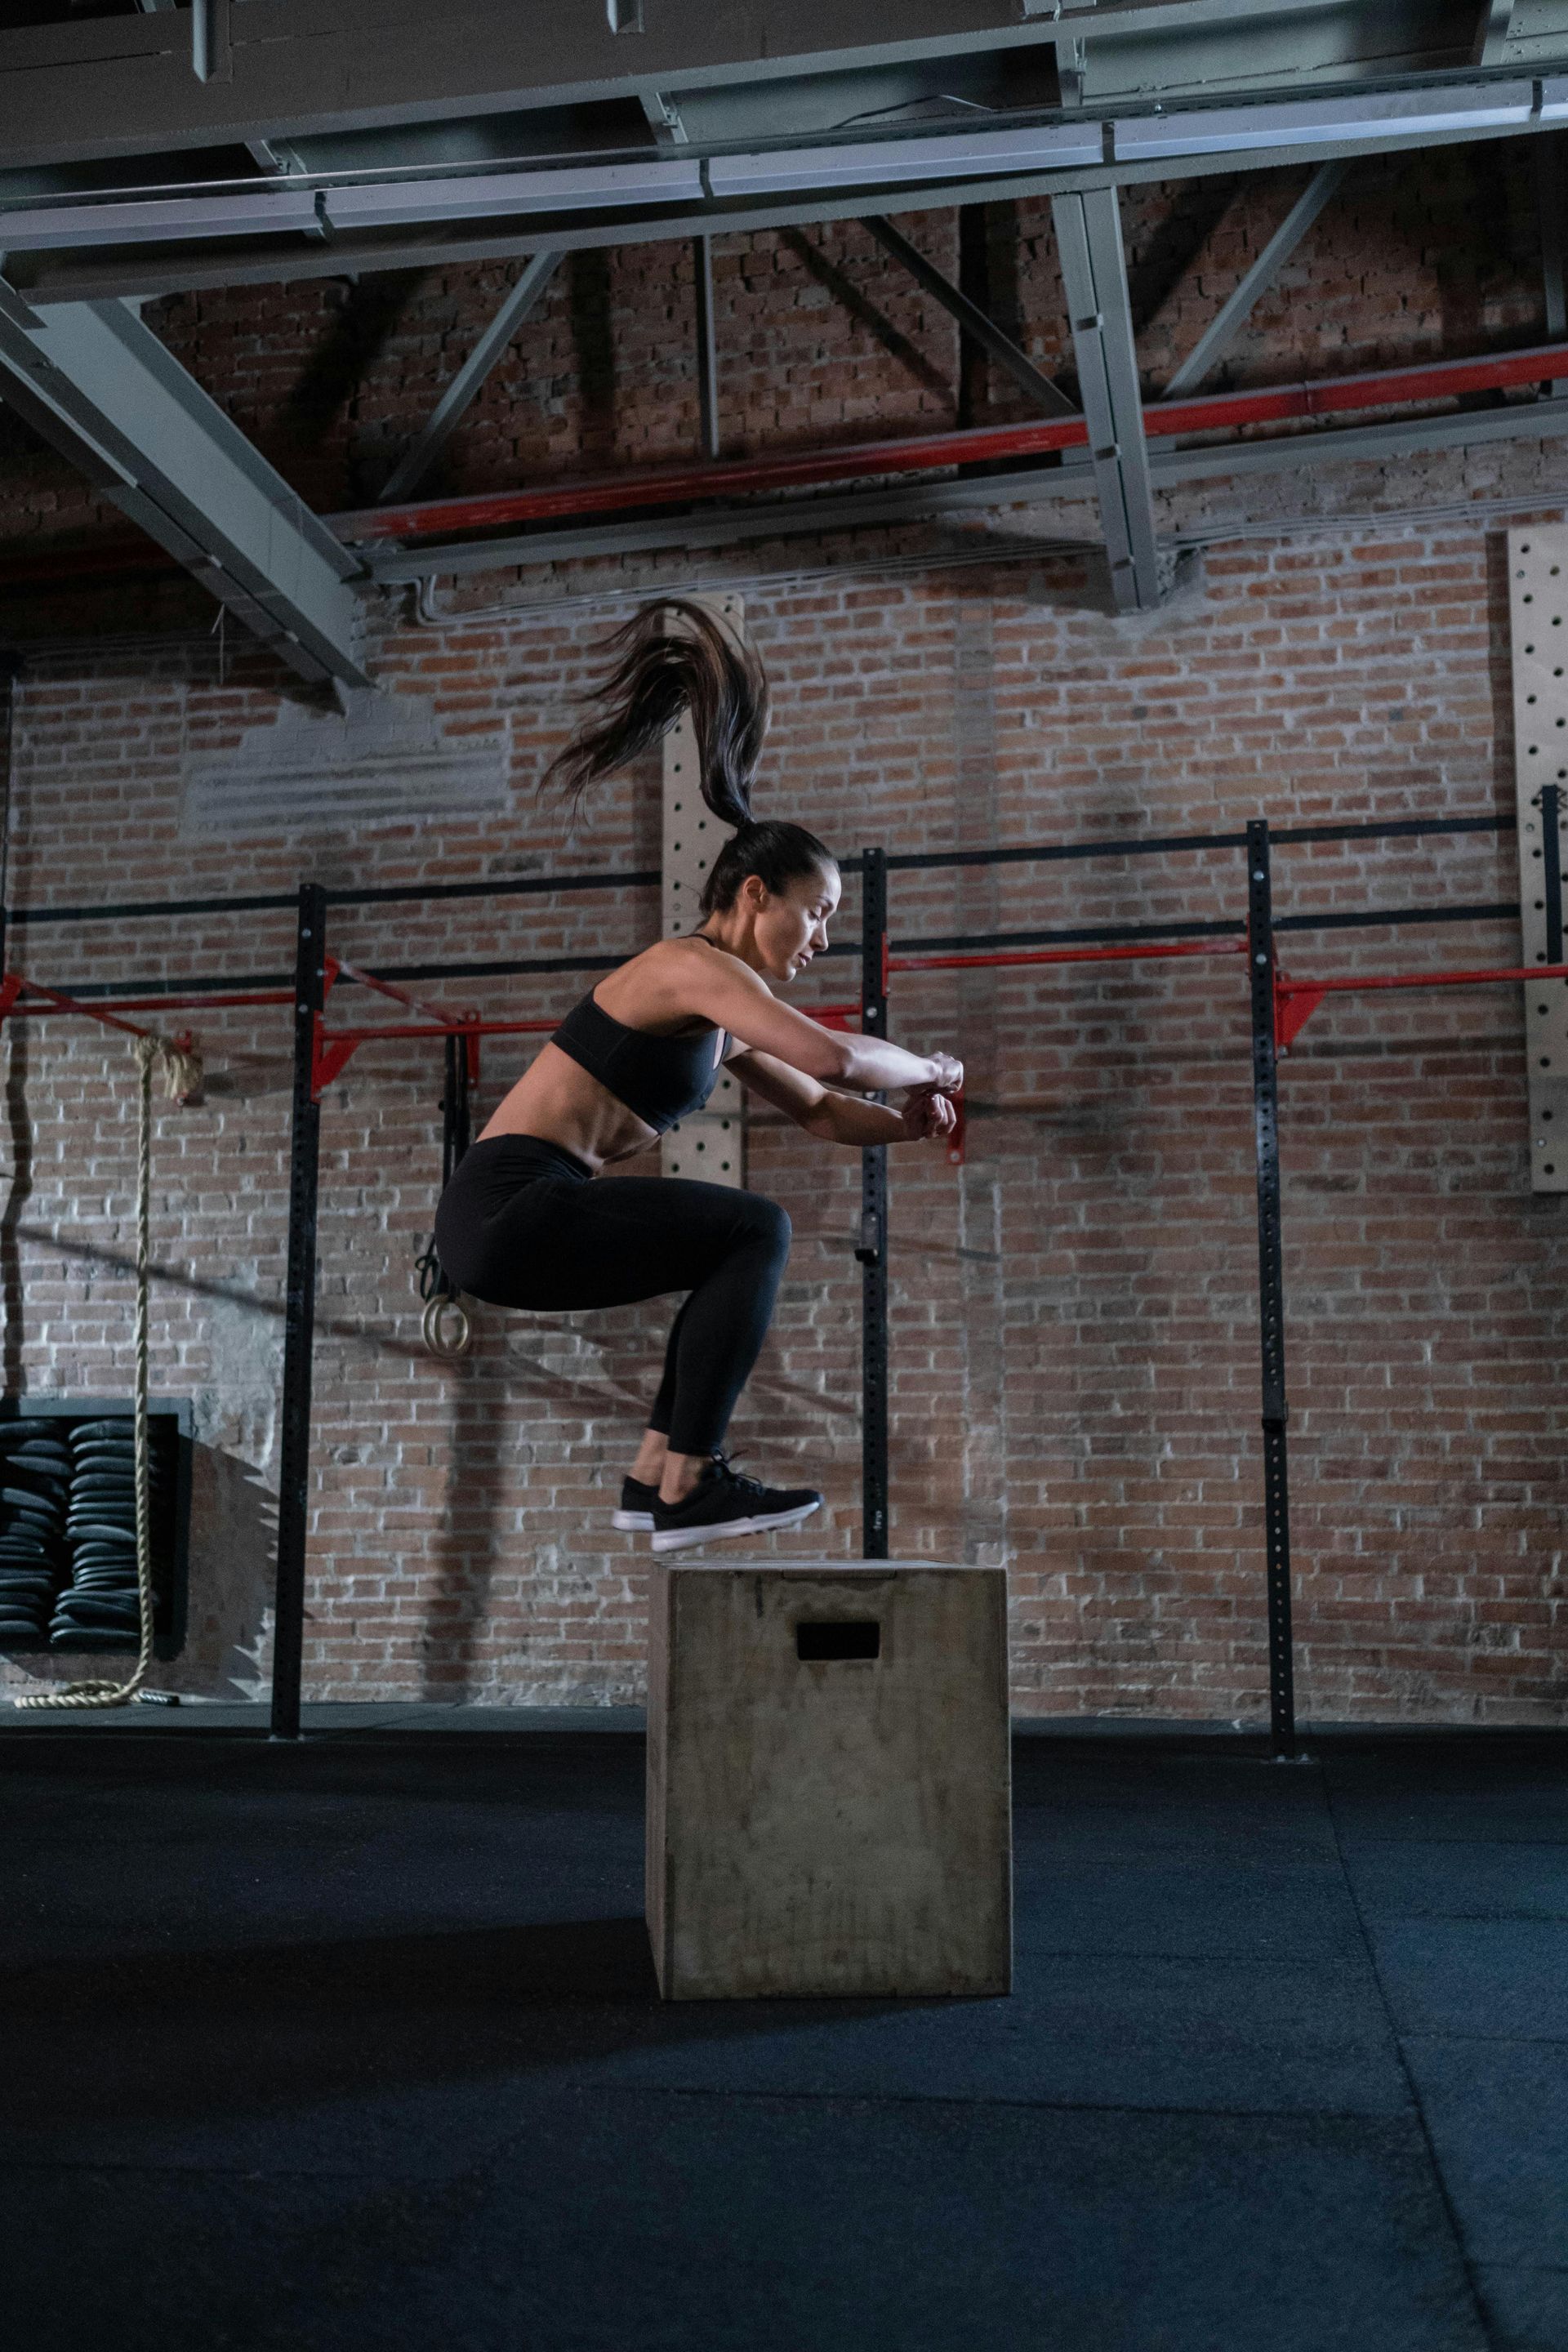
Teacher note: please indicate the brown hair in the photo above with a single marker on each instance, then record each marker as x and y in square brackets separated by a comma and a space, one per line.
[703, 667]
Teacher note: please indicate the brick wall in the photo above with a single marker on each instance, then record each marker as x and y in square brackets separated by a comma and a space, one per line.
[1076, 1379]
[1074, 1337]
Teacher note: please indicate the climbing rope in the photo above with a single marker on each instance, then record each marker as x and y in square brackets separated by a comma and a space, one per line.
[181, 1070]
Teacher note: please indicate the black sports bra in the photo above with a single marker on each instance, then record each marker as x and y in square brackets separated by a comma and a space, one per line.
[662, 1079]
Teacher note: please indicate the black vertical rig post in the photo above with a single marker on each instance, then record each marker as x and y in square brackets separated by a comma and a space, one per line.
[1551, 869]
[1270, 1292]
[299, 1317]
[872, 1251]
[456, 1125]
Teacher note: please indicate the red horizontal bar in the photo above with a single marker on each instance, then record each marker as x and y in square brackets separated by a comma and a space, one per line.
[174, 1003]
[929, 453]
[1066, 955]
[1387, 388]
[458, 1028]
[1356, 980]
[16, 989]
[439, 1013]
[674, 485]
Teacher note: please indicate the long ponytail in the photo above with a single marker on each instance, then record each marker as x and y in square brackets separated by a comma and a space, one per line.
[700, 667]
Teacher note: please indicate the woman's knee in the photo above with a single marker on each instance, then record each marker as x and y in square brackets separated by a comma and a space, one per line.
[767, 1225]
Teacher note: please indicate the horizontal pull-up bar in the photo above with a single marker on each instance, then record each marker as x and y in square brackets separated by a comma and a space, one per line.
[914, 861]
[1236, 946]
[172, 1003]
[19, 995]
[443, 1015]
[1296, 1001]
[335, 1048]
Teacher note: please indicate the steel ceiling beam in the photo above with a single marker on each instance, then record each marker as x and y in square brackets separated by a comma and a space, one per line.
[115, 87]
[1238, 306]
[288, 227]
[305, 68]
[632, 488]
[690, 491]
[448, 414]
[100, 388]
[717, 527]
[1094, 275]
[1030, 379]
[707, 344]
[1496, 17]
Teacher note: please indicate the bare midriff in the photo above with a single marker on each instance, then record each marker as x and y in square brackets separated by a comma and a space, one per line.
[556, 1100]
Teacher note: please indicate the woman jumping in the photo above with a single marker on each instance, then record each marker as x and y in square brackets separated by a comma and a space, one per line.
[523, 1225]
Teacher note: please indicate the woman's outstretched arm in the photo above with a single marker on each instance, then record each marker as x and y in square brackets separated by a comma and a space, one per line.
[925, 1117]
[725, 992]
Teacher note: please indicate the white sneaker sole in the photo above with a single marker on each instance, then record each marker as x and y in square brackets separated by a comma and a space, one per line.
[681, 1539]
[633, 1523]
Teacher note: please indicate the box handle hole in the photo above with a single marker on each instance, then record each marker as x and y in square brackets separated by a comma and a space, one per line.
[818, 1638]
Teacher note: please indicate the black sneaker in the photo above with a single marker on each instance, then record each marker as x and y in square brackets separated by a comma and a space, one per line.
[635, 1514]
[723, 1503]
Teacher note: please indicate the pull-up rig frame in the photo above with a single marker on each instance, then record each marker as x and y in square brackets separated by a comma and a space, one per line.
[1281, 1008]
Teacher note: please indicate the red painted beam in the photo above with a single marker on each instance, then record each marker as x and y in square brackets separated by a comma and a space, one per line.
[676, 484]
[922, 454]
[931, 453]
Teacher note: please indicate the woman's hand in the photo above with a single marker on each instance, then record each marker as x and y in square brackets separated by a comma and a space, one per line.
[927, 1115]
[946, 1075]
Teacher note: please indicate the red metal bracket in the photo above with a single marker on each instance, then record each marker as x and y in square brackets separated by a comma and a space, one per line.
[1296, 1001]
[331, 1054]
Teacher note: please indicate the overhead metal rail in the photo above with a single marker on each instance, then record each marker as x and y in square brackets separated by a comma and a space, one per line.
[331, 78]
[399, 202]
[101, 388]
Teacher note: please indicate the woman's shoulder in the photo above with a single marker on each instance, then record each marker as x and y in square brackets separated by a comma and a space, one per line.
[688, 960]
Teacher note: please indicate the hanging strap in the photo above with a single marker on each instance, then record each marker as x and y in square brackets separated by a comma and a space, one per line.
[443, 1326]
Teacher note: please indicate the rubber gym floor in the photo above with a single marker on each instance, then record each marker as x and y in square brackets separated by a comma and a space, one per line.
[356, 2043]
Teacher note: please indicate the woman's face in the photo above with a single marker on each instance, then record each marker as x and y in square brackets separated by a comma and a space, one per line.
[791, 925]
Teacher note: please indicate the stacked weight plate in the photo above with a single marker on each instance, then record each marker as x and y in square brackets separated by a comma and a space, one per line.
[36, 1472]
[99, 1606]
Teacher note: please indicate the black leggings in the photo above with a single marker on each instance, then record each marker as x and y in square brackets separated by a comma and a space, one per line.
[522, 1223]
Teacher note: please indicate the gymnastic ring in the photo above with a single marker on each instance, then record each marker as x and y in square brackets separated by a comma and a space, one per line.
[449, 1345]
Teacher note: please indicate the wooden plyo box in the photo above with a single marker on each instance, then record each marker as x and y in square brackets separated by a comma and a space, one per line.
[829, 1783]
